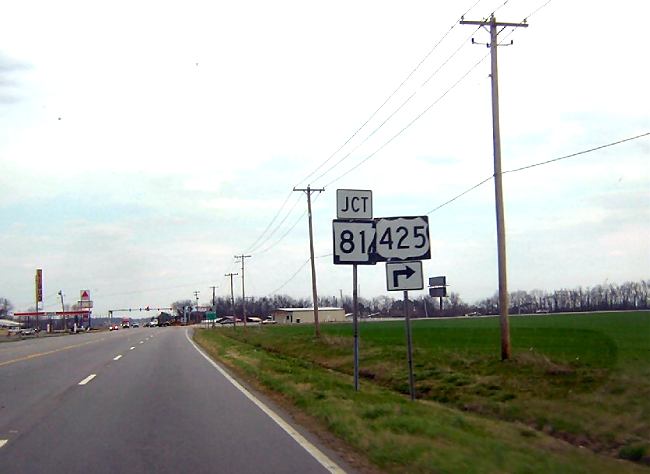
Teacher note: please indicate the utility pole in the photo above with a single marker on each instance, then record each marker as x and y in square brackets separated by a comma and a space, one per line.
[214, 299]
[214, 304]
[495, 29]
[232, 298]
[196, 295]
[65, 322]
[243, 257]
[308, 191]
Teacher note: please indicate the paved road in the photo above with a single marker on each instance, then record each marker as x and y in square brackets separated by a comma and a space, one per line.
[155, 404]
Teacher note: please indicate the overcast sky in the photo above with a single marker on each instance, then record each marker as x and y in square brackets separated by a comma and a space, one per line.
[144, 144]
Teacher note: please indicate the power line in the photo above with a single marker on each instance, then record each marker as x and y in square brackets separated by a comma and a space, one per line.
[253, 246]
[292, 276]
[259, 243]
[387, 119]
[459, 195]
[515, 170]
[430, 106]
[572, 155]
[296, 273]
[283, 235]
[418, 117]
[288, 230]
[390, 96]
[270, 223]
[536, 10]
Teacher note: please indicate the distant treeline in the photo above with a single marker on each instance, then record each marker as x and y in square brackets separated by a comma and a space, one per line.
[627, 296]
[609, 297]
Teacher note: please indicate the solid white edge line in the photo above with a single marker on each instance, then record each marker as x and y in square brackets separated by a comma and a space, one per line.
[316, 453]
[87, 379]
[117, 357]
[3, 442]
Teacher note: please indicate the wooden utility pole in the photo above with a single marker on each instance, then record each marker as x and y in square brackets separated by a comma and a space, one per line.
[308, 191]
[214, 301]
[243, 257]
[232, 298]
[495, 29]
[214, 304]
[65, 321]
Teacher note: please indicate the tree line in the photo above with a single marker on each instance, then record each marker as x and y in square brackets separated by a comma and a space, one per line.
[609, 297]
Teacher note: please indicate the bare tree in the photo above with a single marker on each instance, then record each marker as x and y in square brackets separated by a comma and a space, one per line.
[5, 307]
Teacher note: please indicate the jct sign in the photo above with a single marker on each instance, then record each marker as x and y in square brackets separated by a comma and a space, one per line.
[353, 204]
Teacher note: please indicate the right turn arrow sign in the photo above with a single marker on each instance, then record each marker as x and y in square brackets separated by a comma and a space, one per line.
[404, 276]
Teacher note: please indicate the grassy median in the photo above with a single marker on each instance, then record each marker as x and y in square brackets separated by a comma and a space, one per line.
[576, 385]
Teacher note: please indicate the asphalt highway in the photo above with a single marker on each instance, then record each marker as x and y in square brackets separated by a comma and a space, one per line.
[137, 401]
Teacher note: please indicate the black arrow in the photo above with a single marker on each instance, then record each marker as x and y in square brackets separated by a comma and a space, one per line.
[408, 271]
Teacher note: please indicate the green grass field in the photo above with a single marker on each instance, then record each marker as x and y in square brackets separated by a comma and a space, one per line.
[582, 379]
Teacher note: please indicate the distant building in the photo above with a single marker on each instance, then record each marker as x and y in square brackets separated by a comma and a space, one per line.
[306, 315]
[8, 323]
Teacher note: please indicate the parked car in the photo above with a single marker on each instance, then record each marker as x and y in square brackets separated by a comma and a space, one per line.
[269, 321]
[135, 325]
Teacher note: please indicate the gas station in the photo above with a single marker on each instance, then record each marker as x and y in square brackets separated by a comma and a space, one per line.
[55, 320]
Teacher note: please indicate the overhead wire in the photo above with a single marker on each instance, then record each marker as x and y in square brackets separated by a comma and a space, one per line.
[254, 249]
[275, 217]
[541, 163]
[404, 103]
[255, 245]
[418, 117]
[391, 95]
[438, 99]
[573, 155]
[297, 272]
[284, 203]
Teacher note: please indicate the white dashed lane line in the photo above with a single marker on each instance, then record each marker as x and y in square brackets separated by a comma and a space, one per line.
[131, 348]
[117, 357]
[87, 379]
[3, 442]
[141, 342]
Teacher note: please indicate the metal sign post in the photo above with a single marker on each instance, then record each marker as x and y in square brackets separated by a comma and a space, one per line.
[409, 344]
[355, 324]
[354, 237]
